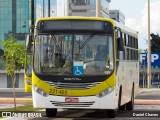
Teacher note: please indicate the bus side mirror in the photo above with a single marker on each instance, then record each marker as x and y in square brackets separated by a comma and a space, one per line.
[120, 48]
[120, 45]
[29, 41]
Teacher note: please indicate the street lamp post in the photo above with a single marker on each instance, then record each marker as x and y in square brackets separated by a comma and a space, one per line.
[32, 15]
[149, 50]
[98, 8]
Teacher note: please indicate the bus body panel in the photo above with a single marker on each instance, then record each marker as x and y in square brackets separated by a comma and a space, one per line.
[27, 74]
[48, 88]
[127, 71]
[38, 100]
[27, 87]
[125, 74]
[88, 102]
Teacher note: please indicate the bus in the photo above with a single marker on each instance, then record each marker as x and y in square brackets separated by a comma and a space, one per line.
[84, 63]
[28, 67]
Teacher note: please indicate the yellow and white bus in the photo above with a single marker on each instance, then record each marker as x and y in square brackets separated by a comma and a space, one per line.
[28, 75]
[84, 63]
[28, 66]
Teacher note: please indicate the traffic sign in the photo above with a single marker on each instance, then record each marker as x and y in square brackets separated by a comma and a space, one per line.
[155, 59]
[78, 68]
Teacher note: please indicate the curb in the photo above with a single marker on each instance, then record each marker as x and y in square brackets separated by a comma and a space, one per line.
[18, 100]
[146, 102]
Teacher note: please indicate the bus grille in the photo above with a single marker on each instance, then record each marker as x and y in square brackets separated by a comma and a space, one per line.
[71, 104]
[61, 85]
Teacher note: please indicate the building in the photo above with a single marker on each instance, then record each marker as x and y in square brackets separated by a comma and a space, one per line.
[6, 81]
[88, 8]
[15, 18]
[155, 70]
[51, 8]
[117, 15]
[16, 15]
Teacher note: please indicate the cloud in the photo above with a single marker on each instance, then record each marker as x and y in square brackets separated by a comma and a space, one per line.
[141, 25]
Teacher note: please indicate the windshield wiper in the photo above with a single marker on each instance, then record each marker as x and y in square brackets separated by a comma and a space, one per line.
[87, 40]
[55, 41]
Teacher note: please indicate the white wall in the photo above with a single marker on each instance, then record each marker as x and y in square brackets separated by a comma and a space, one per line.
[3, 79]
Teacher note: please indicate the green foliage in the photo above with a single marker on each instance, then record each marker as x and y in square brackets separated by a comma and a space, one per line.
[14, 53]
[155, 43]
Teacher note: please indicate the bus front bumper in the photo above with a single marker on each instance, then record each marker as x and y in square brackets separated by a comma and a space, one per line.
[86, 102]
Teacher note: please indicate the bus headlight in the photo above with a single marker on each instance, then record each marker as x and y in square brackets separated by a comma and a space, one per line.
[40, 91]
[105, 92]
[29, 82]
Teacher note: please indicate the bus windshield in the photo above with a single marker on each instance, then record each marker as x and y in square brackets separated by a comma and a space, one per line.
[59, 54]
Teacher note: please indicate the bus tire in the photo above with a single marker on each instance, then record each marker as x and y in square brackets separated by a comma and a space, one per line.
[111, 113]
[123, 107]
[51, 112]
[130, 105]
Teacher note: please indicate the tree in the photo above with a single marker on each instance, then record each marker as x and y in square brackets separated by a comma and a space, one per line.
[155, 43]
[14, 53]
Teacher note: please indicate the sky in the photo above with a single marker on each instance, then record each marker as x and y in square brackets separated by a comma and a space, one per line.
[136, 17]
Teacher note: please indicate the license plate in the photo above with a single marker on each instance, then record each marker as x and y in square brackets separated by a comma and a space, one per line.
[74, 100]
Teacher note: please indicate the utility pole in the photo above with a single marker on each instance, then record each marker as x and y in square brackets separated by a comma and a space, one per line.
[98, 8]
[32, 15]
[149, 47]
[49, 8]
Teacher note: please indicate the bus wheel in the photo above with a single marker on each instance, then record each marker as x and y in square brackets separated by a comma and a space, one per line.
[111, 113]
[130, 105]
[123, 107]
[51, 112]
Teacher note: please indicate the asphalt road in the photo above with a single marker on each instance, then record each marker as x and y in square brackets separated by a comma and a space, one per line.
[99, 115]
[149, 94]
[18, 95]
